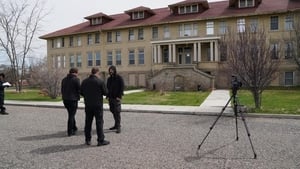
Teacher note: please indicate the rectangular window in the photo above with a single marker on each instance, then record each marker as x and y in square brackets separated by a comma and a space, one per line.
[166, 32]
[140, 34]
[254, 25]
[78, 41]
[89, 39]
[246, 3]
[63, 61]
[72, 60]
[131, 57]
[98, 59]
[90, 59]
[118, 36]
[97, 37]
[79, 60]
[71, 41]
[141, 57]
[289, 23]
[109, 37]
[289, 78]
[274, 51]
[154, 32]
[138, 15]
[118, 57]
[241, 25]
[62, 42]
[188, 30]
[58, 43]
[274, 23]
[131, 34]
[288, 50]
[223, 27]
[209, 28]
[109, 58]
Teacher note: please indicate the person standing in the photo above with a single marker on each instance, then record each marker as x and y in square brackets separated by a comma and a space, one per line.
[115, 86]
[2, 86]
[70, 90]
[93, 89]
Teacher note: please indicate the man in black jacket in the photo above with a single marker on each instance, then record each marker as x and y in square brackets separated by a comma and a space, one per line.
[115, 86]
[2, 86]
[70, 90]
[93, 89]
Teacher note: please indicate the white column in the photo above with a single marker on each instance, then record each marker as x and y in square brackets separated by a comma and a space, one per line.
[195, 52]
[155, 53]
[174, 53]
[199, 52]
[170, 53]
[216, 51]
[159, 54]
[211, 51]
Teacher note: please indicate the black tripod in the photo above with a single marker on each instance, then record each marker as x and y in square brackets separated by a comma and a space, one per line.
[236, 111]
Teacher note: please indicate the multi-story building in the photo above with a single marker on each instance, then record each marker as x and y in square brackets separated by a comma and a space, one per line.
[175, 47]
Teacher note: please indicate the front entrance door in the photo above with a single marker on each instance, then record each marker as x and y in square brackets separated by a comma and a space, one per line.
[184, 55]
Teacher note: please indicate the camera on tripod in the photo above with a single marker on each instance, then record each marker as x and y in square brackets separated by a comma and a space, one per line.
[235, 84]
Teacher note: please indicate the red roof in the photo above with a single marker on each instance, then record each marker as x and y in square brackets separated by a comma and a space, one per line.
[163, 15]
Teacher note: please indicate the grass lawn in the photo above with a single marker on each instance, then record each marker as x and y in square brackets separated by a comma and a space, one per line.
[168, 98]
[273, 101]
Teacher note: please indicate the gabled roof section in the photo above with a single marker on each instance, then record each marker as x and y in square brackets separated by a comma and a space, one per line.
[189, 7]
[98, 19]
[190, 2]
[140, 12]
[139, 9]
[98, 15]
[235, 3]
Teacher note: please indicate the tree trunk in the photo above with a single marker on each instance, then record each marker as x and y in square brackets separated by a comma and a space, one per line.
[257, 98]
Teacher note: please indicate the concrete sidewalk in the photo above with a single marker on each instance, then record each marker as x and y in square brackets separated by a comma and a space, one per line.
[211, 106]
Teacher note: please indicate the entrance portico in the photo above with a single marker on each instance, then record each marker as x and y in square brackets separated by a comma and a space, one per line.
[185, 51]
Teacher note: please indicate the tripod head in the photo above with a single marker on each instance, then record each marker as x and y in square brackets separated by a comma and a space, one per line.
[235, 85]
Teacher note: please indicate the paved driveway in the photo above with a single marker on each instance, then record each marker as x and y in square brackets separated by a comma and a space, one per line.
[35, 138]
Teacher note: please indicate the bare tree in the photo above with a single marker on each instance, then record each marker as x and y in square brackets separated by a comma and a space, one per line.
[49, 80]
[251, 57]
[19, 23]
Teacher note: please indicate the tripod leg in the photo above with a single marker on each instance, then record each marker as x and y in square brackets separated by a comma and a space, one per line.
[236, 122]
[212, 126]
[248, 133]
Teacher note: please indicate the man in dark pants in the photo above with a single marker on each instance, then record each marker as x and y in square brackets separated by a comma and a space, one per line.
[115, 86]
[70, 90]
[93, 89]
[2, 86]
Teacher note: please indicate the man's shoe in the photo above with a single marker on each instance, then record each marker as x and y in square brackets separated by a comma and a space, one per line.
[118, 130]
[103, 143]
[113, 128]
[88, 143]
[3, 113]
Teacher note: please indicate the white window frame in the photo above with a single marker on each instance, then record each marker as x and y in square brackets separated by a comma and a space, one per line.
[209, 28]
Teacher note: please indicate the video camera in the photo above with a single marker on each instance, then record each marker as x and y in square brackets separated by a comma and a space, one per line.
[235, 84]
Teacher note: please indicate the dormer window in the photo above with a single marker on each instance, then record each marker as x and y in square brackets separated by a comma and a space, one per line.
[99, 19]
[96, 21]
[138, 15]
[246, 3]
[188, 9]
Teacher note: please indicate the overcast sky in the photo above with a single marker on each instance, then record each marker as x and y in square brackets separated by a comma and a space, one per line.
[65, 13]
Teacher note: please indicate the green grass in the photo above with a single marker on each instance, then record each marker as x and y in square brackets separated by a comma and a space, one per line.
[167, 98]
[278, 101]
[28, 95]
[273, 101]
